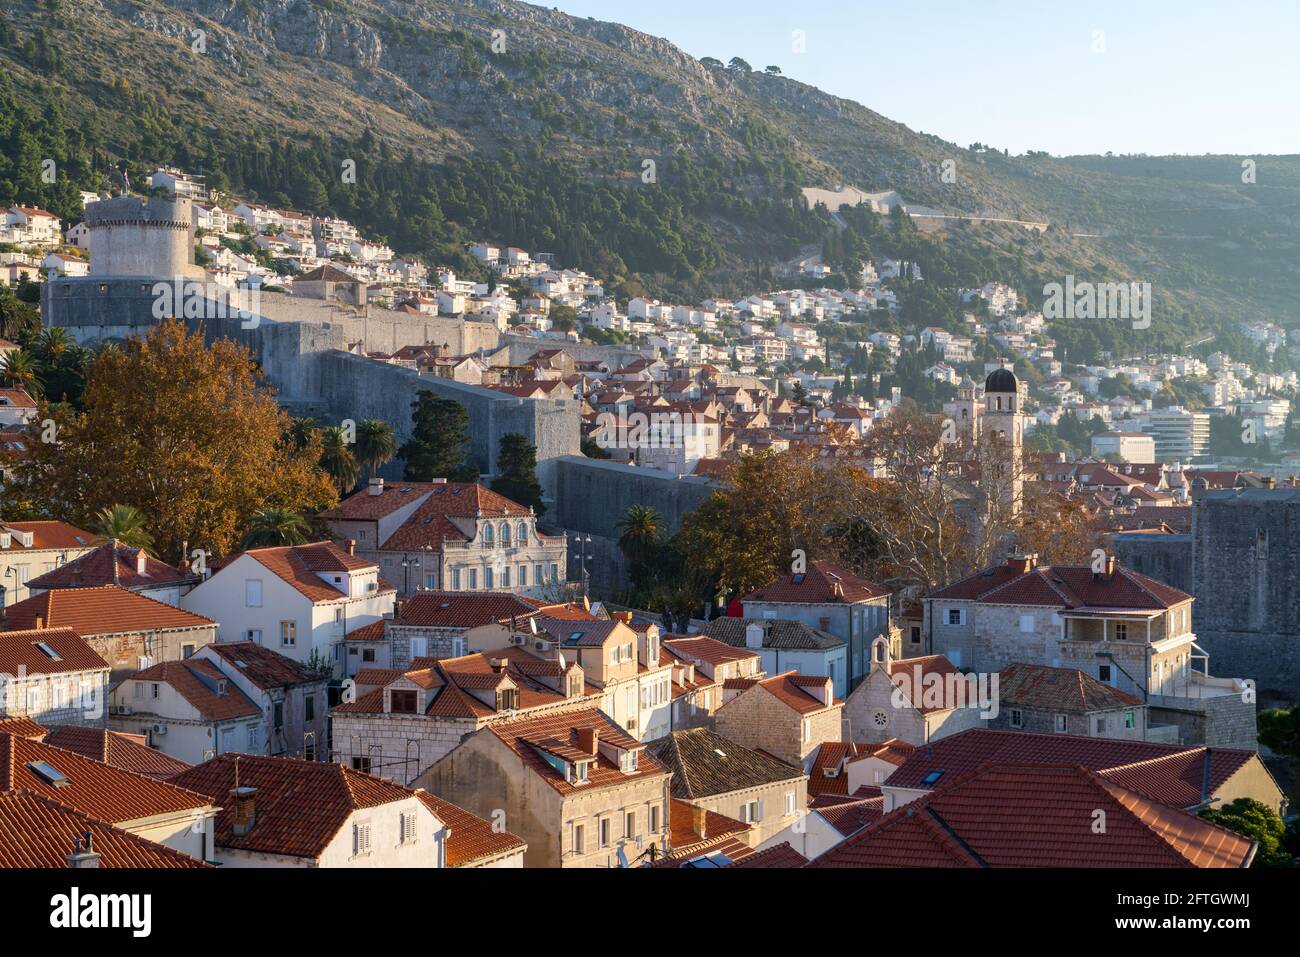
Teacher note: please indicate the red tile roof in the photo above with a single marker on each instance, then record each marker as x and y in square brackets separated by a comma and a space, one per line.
[1038, 815]
[103, 610]
[298, 565]
[778, 855]
[37, 831]
[911, 675]
[852, 814]
[49, 534]
[20, 653]
[96, 567]
[196, 680]
[94, 788]
[1059, 689]
[471, 839]
[1176, 781]
[23, 727]
[834, 756]
[1073, 587]
[448, 609]
[558, 734]
[125, 751]
[299, 806]
[822, 583]
[708, 650]
[681, 826]
[264, 668]
[431, 522]
[796, 691]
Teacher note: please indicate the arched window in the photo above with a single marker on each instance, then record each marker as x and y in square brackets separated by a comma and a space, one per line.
[505, 533]
[487, 534]
[523, 533]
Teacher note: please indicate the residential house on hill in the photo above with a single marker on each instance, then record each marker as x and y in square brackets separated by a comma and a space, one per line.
[113, 563]
[52, 676]
[450, 537]
[284, 812]
[401, 722]
[1127, 630]
[128, 630]
[832, 600]
[29, 549]
[701, 666]
[299, 600]
[716, 774]
[573, 784]
[787, 645]
[787, 715]
[1068, 701]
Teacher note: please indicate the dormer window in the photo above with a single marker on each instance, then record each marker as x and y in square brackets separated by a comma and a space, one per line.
[577, 772]
[401, 702]
[627, 762]
[507, 699]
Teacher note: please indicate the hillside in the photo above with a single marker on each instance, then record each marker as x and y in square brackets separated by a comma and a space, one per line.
[544, 142]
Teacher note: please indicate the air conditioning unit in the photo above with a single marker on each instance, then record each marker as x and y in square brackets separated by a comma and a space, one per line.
[124, 709]
[160, 729]
[519, 639]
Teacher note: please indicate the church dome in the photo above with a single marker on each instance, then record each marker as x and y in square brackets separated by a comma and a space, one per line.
[1002, 380]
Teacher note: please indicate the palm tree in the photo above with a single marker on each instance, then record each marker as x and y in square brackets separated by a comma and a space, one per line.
[642, 530]
[376, 444]
[127, 524]
[300, 431]
[19, 368]
[53, 342]
[337, 458]
[275, 527]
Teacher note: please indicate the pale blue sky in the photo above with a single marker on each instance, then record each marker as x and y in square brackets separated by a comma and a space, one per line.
[1198, 76]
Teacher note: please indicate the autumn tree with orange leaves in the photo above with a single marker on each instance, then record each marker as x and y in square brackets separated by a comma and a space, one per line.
[177, 429]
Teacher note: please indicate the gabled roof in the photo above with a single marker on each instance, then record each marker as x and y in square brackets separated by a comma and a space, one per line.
[431, 522]
[125, 751]
[102, 610]
[706, 649]
[783, 635]
[1038, 815]
[263, 667]
[24, 727]
[851, 814]
[822, 583]
[1134, 764]
[1065, 690]
[1061, 586]
[96, 567]
[559, 734]
[299, 806]
[916, 672]
[49, 534]
[92, 787]
[705, 764]
[834, 756]
[22, 652]
[778, 855]
[300, 566]
[453, 609]
[37, 831]
[470, 839]
[798, 692]
[196, 680]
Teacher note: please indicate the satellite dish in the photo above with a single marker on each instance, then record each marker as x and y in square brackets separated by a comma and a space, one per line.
[560, 656]
[532, 625]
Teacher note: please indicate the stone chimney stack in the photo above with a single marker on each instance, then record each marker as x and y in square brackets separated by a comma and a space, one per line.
[245, 812]
[699, 817]
[754, 633]
[588, 741]
[376, 486]
[83, 853]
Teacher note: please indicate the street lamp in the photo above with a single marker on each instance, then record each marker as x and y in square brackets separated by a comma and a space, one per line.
[584, 555]
[407, 564]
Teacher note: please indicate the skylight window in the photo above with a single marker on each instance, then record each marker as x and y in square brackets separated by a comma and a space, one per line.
[932, 777]
[48, 651]
[50, 774]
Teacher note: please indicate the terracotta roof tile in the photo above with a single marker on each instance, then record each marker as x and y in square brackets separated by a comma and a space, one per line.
[555, 732]
[1074, 587]
[1059, 689]
[103, 610]
[48, 534]
[197, 680]
[448, 609]
[125, 751]
[298, 565]
[708, 650]
[821, 583]
[778, 855]
[94, 788]
[472, 840]
[96, 568]
[1038, 815]
[38, 831]
[791, 688]
[24, 727]
[263, 667]
[20, 653]
[299, 806]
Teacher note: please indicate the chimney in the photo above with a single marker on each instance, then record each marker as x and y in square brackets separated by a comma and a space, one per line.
[376, 486]
[1110, 566]
[624, 616]
[244, 815]
[754, 635]
[352, 546]
[141, 558]
[499, 665]
[588, 740]
[83, 853]
[40, 622]
[698, 818]
[828, 693]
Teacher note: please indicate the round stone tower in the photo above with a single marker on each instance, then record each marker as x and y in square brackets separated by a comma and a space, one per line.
[135, 236]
